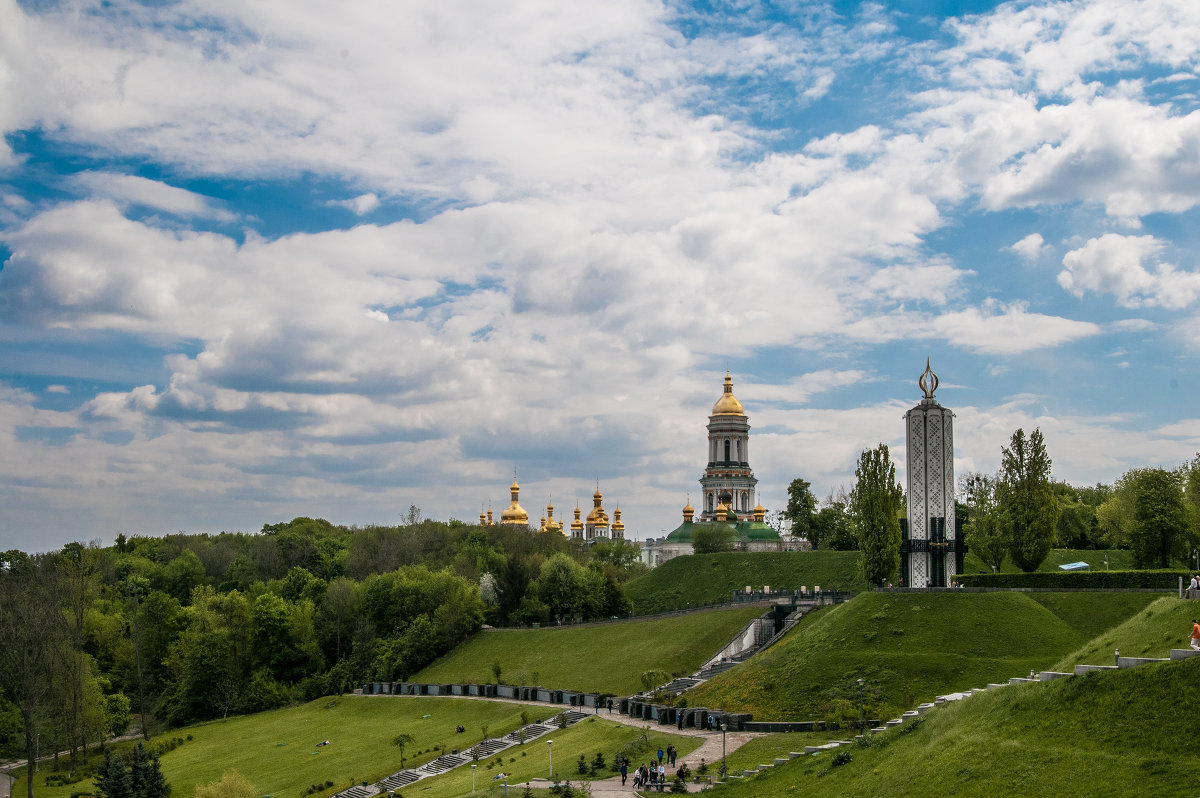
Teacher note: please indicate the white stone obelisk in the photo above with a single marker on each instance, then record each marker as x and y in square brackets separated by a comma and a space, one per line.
[929, 556]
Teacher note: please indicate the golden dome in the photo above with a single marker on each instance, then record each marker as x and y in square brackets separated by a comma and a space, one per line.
[722, 511]
[728, 405]
[514, 513]
[618, 525]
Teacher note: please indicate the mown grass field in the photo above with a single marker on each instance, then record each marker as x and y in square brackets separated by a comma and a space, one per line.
[701, 579]
[277, 752]
[910, 648]
[1122, 734]
[609, 658]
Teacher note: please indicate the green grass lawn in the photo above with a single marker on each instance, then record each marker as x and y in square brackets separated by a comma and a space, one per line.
[701, 579]
[277, 750]
[609, 658]
[1122, 733]
[1153, 632]
[909, 648]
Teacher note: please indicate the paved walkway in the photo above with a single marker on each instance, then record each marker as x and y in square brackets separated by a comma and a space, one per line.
[709, 750]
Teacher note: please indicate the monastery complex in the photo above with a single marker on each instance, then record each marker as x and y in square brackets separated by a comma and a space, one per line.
[931, 546]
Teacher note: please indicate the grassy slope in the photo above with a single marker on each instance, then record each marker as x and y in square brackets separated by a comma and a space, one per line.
[1115, 733]
[909, 648]
[1153, 632]
[701, 579]
[608, 658]
[360, 730]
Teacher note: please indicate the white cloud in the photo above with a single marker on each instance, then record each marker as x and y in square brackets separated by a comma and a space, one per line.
[133, 190]
[1031, 247]
[1114, 264]
[360, 205]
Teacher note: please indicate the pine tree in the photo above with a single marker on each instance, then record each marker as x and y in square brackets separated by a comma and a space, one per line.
[146, 774]
[113, 779]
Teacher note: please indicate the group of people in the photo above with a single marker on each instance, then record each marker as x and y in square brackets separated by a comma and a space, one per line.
[654, 771]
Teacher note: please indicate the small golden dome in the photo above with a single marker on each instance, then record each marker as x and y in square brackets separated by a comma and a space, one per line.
[722, 511]
[728, 405]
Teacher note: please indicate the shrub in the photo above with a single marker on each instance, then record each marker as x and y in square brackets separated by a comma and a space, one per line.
[840, 758]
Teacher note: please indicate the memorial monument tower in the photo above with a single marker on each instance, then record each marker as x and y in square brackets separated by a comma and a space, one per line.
[931, 546]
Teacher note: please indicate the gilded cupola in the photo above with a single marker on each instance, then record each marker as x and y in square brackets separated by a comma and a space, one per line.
[515, 514]
[728, 405]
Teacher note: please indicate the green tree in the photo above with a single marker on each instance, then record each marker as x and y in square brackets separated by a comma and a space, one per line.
[712, 538]
[831, 528]
[560, 586]
[1160, 519]
[113, 779]
[801, 509]
[875, 506]
[1026, 499]
[986, 533]
[145, 774]
[400, 741]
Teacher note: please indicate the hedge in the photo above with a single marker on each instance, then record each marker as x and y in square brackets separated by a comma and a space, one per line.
[1081, 580]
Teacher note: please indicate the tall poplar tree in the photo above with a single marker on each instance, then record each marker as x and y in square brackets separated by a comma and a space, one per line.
[986, 533]
[1026, 501]
[875, 506]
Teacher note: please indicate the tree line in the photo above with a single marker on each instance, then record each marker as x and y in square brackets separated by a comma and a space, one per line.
[175, 629]
[1019, 513]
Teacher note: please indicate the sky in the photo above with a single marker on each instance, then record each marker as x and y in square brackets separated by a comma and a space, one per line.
[291, 257]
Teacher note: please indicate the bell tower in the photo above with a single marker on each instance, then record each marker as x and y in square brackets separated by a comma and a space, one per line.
[728, 479]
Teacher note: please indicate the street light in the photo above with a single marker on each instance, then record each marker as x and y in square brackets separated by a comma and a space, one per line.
[472, 779]
[550, 747]
[724, 728]
[862, 726]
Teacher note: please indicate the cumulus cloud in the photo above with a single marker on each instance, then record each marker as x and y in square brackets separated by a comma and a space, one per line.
[1031, 247]
[1116, 264]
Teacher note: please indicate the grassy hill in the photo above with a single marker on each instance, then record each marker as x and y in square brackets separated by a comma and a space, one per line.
[1121, 733]
[276, 751]
[700, 579]
[608, 658]
[1153, 632]
[910, 648]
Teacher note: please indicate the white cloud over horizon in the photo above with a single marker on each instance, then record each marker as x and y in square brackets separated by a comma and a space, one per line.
[369, 258]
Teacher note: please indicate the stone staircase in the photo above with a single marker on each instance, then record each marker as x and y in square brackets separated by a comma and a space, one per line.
[1044, 676]
[446, 762]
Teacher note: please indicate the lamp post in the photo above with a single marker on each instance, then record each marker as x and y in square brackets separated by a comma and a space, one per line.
[472, 779]
[550, 747]
[862, 684]
[724, 728]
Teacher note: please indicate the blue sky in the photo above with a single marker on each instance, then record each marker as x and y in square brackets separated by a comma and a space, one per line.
[277, 259]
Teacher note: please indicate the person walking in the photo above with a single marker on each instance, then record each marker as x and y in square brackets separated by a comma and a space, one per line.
[660, 756]
[1195, 635]
[624, 770]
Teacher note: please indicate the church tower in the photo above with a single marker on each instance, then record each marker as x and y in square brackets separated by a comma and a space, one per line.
[931, 546]
[728, 479]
